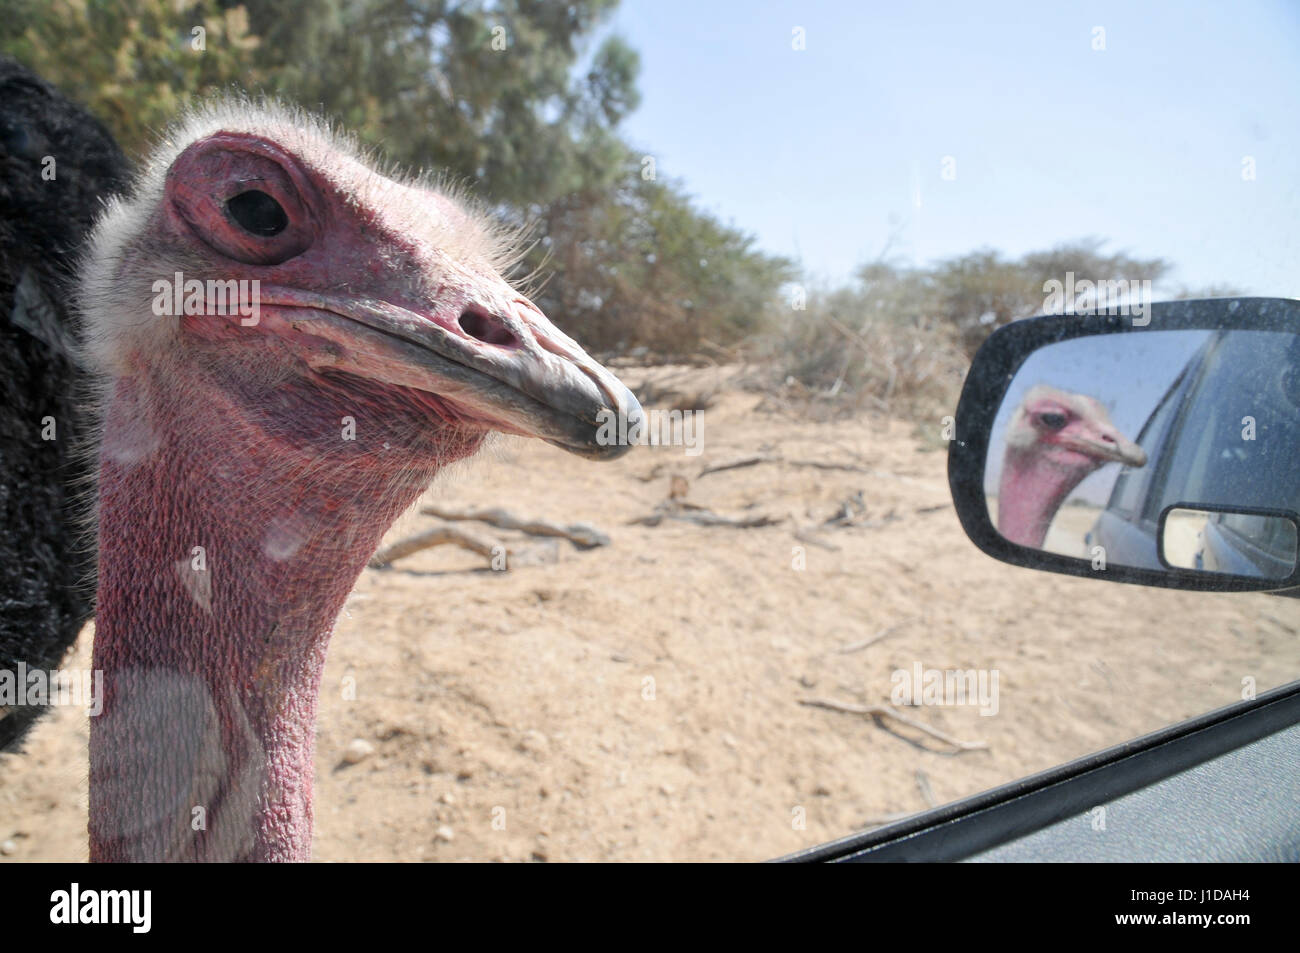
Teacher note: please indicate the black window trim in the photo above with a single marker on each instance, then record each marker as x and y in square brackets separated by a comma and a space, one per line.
[971, 826]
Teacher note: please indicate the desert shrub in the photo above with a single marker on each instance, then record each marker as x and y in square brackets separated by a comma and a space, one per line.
[880, 346]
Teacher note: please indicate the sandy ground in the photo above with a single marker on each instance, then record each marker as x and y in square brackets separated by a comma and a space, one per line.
[642, 701]
[1182, 540]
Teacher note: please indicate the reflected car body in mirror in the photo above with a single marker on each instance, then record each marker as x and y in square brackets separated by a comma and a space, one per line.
[1237, 542]
[1075, 434]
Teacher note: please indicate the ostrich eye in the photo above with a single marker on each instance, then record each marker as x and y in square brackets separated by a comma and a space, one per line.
[257, 213]
[1052, 421]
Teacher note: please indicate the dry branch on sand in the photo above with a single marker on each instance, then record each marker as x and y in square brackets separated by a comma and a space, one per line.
[738, 464]
[690, 513]
[878, 637]
[773, 458]
[807, 536]
[582, 535]
[852, 512]
[436, 536]
[877, 712]
[927, 792]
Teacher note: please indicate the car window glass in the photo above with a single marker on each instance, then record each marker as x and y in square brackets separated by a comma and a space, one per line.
[1239, 428]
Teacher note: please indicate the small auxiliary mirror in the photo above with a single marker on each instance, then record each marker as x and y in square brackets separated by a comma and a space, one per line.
[1241, 543]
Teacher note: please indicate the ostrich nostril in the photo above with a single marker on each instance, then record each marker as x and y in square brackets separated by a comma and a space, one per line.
[488, 329]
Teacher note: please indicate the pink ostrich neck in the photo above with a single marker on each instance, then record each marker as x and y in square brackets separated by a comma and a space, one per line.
[1031, 490]
[225, 557]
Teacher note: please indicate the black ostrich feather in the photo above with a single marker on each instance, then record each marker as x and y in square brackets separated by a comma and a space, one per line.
[46, 561]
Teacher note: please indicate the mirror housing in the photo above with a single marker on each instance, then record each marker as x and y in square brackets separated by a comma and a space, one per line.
[996, 394]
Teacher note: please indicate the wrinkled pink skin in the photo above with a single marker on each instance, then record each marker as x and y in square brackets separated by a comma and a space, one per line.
[231, 440]
[1032, 489]
[1037, 477]
[220, 714]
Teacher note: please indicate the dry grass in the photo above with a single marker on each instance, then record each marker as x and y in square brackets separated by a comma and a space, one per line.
[830, 364]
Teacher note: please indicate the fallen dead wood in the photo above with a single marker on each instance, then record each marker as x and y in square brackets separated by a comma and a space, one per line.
[927, 792]
[738, 464]
[824, 465]
[852, 514]
[806, 536]
[436, 536]
[851, 509]
[769, 458]
[877, 712]
[582, 535]
[690, 513]
[878, 637]
[922, 510]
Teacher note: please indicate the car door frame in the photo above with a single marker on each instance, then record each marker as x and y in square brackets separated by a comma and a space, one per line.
[965, 828]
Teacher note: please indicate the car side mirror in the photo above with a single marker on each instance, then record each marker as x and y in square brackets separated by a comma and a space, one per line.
[1161, 449]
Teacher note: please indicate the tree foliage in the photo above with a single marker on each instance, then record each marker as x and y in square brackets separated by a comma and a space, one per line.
[646, 268]
[135, 63]
[517, 98]
[504, 94]
[900, 338]
[982, 291]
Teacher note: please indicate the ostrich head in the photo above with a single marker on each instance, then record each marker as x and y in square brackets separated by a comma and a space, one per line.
[253, 453]
[1054, 440]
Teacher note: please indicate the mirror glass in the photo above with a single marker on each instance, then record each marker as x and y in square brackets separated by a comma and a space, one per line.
[1098, 436]
[1261, 545]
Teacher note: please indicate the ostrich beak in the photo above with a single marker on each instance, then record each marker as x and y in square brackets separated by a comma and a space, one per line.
[1111, 448]
[513, 371]
[1130, 454]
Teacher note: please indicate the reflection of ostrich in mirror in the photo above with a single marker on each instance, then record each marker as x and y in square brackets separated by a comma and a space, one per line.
[1054, 440]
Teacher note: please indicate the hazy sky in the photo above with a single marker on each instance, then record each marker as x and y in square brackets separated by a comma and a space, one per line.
[822, 153]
